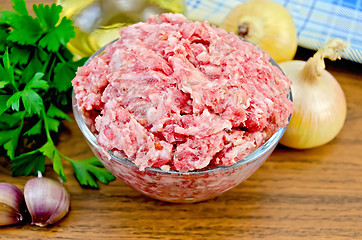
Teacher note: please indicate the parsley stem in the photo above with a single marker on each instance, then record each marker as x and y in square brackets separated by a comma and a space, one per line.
[61, 57]
[46, 63]
[29, 153]
[51, 69]
[69, 159]
[65, 157]
[9, 69]
[46, 126]
[49, 138]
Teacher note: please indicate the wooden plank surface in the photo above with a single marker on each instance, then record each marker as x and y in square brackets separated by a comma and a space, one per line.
[296, 194]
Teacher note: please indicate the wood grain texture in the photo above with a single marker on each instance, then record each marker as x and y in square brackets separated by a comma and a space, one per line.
[296, 194]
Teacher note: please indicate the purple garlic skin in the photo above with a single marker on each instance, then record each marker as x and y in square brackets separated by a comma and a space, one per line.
[11, 199]
[47, 201]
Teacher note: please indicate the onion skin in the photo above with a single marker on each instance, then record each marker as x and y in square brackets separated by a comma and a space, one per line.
[11, 199]
[47, 201]
[267, 24]
[320, 106]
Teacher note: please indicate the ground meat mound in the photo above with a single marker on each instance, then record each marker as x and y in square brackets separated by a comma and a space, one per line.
[183, 95]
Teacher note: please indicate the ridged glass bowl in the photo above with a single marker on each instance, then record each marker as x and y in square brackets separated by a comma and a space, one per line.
[174, 186]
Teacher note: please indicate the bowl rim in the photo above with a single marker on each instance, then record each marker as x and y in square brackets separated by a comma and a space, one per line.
[256, 154]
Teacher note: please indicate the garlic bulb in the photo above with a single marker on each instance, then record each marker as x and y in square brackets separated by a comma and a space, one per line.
[11, 199]
[266, 24]
[47, 201]
[319, 102]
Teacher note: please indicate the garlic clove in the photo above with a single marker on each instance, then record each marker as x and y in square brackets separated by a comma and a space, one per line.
[47, 201]
[11, 199]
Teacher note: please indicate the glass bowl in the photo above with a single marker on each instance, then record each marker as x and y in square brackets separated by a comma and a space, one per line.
[174, 186]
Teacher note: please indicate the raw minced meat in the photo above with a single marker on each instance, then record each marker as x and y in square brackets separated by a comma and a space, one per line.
[183, 95]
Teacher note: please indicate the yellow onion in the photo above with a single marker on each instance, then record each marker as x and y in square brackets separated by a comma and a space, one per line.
[11, 199]
[319, 103]
[266, 24]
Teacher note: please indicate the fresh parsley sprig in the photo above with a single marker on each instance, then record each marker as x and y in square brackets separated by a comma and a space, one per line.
[36, 70]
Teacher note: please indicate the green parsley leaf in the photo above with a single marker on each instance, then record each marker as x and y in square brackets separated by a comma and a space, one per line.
[35, 85]
[85, 169]
[53, 124]
[48, 15]
[3, 84]
[63, 74]
[35, 130]
[3, 106]
[53, 111]
[6, 136]
[10, 139]
[50, 41]
[58, 166]
[3, 35]
[19, 55]
[20, 7]
[56, 35]
[10, 18]
[43, 55]
[35, 65]
[8, 70]
[3, 77]
[28, 163]
[13, 119]
[33, 103]
[28, 31]
[14, 101]
[65, 31]
[49, 150]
